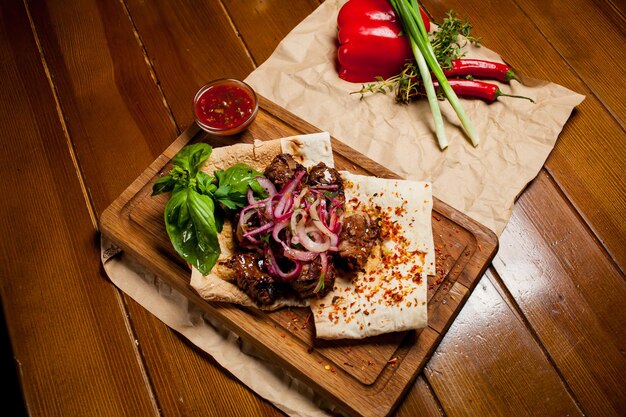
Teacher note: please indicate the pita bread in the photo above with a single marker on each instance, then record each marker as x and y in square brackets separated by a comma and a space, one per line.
[386, 297]
[390, 294]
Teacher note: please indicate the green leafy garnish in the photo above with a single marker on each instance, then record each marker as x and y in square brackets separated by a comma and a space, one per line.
[199, 202]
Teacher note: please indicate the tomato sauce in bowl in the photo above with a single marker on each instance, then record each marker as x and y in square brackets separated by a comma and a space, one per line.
[225, 107]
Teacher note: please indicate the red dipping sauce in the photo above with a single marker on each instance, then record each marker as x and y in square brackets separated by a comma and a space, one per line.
[225, 107]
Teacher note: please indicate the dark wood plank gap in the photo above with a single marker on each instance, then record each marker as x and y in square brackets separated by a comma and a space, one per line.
[255, 64]
[70, 145]
[150, 65]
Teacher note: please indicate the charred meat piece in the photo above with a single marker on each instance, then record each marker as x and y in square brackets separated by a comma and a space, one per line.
[358, 234]
[309, 278]
[282, 170]
[321, 174]
[251, 279]
[329, 180]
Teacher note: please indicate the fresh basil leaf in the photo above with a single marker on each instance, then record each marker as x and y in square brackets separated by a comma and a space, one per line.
[190, 224]
[177, 200]
[202, 211]
[222, 191]
[233, 184]
[163, 185]
[191, 157]
[204, 183]
[229, 204]
[219, 218]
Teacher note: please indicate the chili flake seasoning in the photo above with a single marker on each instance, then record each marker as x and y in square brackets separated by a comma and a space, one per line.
[390, 292]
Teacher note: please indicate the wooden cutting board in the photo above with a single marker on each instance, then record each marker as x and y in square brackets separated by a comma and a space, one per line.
[367, 377]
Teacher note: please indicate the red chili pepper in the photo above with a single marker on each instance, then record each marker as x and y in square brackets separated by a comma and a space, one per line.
[370, 41]
[478, 89]
[481, 69]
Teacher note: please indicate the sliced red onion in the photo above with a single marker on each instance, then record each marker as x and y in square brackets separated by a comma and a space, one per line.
[317, 222]
[310, 244]
[291, 185]
[298, 255]
[284, 206]
[294, 224]
[297, 201]
[277, 228]
[250, 196]
[258, 230]
[267, 185]
[245, 215]
[275, 270]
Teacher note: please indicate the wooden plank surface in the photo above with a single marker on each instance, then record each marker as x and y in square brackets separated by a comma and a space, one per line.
[63, 315]
[143, 128]
[116, 68]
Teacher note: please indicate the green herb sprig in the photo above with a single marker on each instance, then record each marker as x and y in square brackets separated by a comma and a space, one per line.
[199, 202]
[432, 53]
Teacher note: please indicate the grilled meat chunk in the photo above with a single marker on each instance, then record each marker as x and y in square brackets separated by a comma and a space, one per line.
[324, 177]
[305, 284]
[358, 234]
[251, 279]
[282, 170]
[321, 174]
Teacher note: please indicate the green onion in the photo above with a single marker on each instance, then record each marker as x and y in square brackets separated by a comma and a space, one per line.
[408, 12]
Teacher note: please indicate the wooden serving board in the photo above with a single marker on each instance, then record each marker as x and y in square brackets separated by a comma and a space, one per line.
[367, 377]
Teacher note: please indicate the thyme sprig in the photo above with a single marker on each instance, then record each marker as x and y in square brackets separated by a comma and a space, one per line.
[448, 41]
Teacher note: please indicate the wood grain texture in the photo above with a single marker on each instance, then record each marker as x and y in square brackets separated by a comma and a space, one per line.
[187, 380]
[198, 46]
[589, 47]
[275, 16]
[589, 157]
[133, 222]
[114, 112]
[568, 289]
[521, 381]
[114, 80]
[64, 317]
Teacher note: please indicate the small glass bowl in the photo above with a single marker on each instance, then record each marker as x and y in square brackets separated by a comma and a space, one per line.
[242, 124]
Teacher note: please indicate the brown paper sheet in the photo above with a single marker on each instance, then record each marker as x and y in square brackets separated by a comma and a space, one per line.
[482, 182]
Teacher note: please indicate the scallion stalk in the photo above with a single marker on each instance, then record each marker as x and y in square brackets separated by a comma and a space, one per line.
[408, 12]
[431, 94]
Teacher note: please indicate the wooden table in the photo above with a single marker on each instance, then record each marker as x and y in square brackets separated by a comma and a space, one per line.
[94, 90]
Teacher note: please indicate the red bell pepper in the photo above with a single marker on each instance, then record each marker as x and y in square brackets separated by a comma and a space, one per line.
[371, 43]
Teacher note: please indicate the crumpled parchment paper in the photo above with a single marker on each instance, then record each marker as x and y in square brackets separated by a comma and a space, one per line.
[516, 136]
[483, 182]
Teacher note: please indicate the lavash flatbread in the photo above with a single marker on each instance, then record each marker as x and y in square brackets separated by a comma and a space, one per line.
[390, 294]
[367, 312]
[306, 149]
